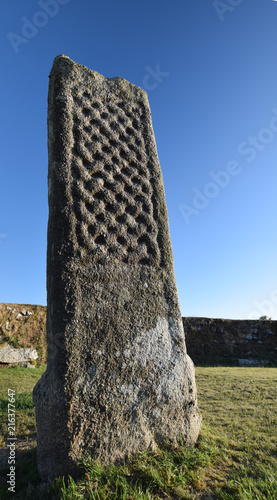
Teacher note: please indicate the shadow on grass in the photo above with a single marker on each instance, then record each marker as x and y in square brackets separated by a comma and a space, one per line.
[165, 474]
[26, 476]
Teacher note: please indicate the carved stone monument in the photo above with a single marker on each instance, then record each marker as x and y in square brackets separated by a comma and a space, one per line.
[118, 378]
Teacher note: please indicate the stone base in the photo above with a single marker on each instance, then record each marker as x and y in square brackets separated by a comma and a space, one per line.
[148, 399]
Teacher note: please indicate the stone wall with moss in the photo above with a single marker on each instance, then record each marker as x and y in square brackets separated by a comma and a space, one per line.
[24, 325]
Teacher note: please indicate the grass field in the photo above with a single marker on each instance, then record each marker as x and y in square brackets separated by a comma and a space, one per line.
[235, 457]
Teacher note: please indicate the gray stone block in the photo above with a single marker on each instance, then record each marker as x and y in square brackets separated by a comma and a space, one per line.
[10, 355]
[118, 378]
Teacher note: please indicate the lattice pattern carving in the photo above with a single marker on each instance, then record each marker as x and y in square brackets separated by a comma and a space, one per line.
[111, 182]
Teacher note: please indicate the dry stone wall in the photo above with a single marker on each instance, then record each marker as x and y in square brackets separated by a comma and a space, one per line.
[231, 342]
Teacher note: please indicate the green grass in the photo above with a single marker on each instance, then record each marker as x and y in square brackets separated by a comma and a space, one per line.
[235, 457]
[21, 380]
[239, 406]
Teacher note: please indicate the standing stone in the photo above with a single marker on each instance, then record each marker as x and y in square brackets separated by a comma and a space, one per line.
[118, 378]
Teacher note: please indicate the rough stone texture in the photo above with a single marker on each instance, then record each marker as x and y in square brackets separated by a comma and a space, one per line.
[227, 342]
[11, 355]
[118, 379]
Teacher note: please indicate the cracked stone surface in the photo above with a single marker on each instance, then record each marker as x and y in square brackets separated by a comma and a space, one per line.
[118, 379]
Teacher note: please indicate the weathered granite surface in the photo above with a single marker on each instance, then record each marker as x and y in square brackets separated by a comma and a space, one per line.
[118, 378]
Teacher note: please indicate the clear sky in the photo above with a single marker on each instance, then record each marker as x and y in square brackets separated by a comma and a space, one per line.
[210, 70]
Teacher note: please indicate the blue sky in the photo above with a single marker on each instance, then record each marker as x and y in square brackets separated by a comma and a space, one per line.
[210, 70]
